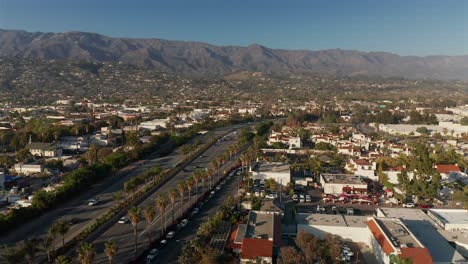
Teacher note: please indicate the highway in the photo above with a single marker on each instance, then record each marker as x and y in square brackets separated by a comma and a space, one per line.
[123, 233]
[104, 190]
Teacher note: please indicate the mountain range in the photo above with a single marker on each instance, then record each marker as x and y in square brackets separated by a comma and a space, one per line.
[196, 58]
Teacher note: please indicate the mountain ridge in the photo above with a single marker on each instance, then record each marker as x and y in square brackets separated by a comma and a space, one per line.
[199, 58]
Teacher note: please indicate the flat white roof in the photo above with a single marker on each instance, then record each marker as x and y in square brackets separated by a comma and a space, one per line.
[332, 220]
[452, 216]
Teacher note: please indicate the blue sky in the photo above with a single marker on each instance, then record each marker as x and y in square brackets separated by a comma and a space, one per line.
[406, 27]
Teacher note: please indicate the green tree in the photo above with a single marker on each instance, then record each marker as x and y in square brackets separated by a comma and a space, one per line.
[13, 254]
[110, 248]
[149, 215]
[161, 203]
[62, 260]
[135, 214]
[29, 249]
[86, 253]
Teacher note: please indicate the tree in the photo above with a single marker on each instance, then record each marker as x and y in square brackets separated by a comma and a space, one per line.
[29, 249]
[161, 203]
[290, 255]
[86, 253]
[172, 196]
[62, 260]
[110, 248]
[189, 184]
[61, 227]
[181, 188]
[149, 215]
[423, 130]
[394, 259]
[13, 254]
[92, 154]
[134, 214]
[22, 155]
[47, 245]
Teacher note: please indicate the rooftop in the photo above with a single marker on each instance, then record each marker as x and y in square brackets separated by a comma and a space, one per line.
[343, 179]
[332, 220]
[253, 248]
[271, 167]
[447, 168]
[452, 216]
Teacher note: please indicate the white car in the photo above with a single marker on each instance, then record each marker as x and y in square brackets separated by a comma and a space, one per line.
[348, 252]
[93, 202]
[218, 187]
[163, 243]
[302, 198]
[295, 198]
[409, 205]
[308, 198]
[124, 220]
[195, 211]
[184, 222]
[270, 196]
[152, 255]
[170, 235]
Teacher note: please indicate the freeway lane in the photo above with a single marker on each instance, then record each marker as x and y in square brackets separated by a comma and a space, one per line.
[123, 233]
[174, 247]
[78, 208]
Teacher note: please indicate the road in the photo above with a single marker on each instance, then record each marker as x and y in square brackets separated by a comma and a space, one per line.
[172, 251]
[104, 190]
[123, 233]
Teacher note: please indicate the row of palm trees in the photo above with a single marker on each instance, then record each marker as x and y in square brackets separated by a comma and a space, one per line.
[86, 252]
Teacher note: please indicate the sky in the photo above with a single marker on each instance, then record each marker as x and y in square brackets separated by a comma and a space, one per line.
[405, 27]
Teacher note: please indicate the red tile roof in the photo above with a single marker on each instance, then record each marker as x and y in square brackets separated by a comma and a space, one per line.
[380, 237]
[447, 168]
[254, 247]
[417, 255]
[362, 162]
[232, 238]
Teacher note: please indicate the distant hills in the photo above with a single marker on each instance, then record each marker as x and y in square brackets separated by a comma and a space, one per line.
[196, 58]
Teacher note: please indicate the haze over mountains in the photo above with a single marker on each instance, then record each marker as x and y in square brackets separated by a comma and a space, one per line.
[196, 58]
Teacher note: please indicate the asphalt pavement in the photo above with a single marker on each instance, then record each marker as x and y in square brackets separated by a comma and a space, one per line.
[123, 233]
[104, 190]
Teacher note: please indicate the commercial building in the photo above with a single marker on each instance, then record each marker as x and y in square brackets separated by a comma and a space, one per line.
[454, 225]
[44, 149]
[260, 237]
[278, 171]
[342, 183]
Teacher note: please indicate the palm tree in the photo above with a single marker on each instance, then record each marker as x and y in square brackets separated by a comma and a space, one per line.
[12, 255]
[29, 249]
[62, 260]
[47, 245]
[110, 248]
[62, 228]
[203, 178]
[161, 203]
[172, 196]
[52, 234]
[134, 214]
[196, 178]
[210, 176]
[149, 215]
[86, 253]
[181, 188]
[189, 183]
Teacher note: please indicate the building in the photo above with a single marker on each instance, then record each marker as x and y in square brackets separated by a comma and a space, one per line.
[350, 227]
[449, 171]
[278, 171]
[342, 183]
[28, 169]
[48, 150]
[2, 180]
[454, 225]
[363, 167]
[430, 234]
[155, 124]
[390, 237]
[260, 237]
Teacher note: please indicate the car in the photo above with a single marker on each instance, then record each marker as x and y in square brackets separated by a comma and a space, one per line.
[93, 202]
[348, 252]
[320, 209]
[163, 243]
[302, 198]
[218, 187]
[426, 206]
[350, 211]
[152, 255]
[308, 198]
[184, 222]
[124, 220]
[333, 208]
[170, 235]
[409, 205]
[195, 211]
[270, 196]
[295, 198]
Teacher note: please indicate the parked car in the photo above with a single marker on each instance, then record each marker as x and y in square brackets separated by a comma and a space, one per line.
[350, 211]
[409, 205]
[295, 198]
[152, 255]
[184, 222]
[426, 206]
[73, 221]
[170, 235]
[124, 220]
[163, 243]
[308, 198]
[302, 198]
[270, 196]
[320, 209]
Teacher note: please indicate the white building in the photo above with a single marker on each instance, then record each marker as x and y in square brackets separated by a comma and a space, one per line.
[278, 171]
[155, 124]
[44, 149]
[28, 169]
[342, 183]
